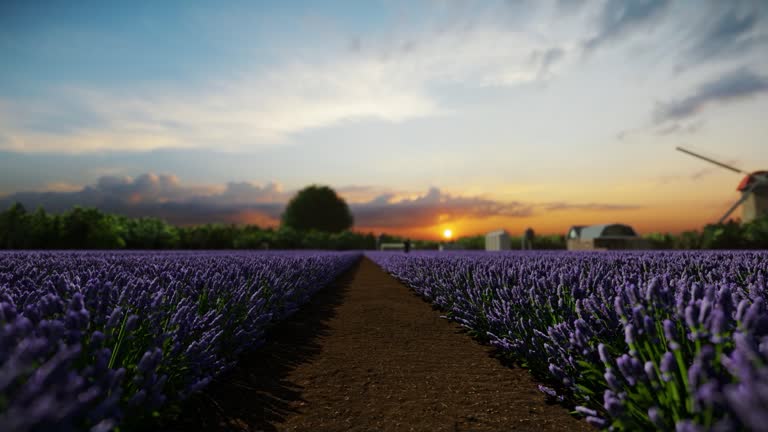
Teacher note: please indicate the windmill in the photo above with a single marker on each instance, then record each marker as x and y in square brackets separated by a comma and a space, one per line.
[753, 188]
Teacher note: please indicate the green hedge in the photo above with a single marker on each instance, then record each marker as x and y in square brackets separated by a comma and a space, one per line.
[89, 228]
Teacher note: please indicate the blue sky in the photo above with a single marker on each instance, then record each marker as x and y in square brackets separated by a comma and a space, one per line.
[497, 105]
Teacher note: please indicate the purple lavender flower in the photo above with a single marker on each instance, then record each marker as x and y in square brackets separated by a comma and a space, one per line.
[742, 310]
[668, 366]
[650, 328]
[717, 326]
[551, 307]
[670, 333]
[690, 317]
[612, 381]
[627, 369]
[68, 324]
[604, 356]
[650, 371]
[655, 417]
[586, 411]
[629, 334]
[687, 426]
[612, 404]
[597, 422]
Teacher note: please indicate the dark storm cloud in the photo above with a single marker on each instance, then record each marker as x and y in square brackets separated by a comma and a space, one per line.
[739, 84]
[621, 17]
[731, 28]
[164, 196]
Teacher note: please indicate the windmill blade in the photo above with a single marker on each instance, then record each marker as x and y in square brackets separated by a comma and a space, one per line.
[720, 164]
[744, 196]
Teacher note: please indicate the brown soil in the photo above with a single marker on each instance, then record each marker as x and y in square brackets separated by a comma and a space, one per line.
[367, 354]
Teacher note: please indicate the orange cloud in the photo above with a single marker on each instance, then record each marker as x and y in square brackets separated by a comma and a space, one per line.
[424, 215]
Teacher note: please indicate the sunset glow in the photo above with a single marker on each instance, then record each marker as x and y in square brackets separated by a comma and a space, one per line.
[462, 116]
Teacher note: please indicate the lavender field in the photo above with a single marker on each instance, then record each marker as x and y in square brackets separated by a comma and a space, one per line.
[633, 340]
[100, 340]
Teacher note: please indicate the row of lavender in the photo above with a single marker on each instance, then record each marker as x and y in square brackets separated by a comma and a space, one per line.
[93, 340]
[638, 340]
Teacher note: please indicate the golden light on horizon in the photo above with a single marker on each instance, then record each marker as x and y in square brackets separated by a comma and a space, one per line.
[448, 233]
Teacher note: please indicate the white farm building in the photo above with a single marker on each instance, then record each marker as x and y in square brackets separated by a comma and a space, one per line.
[497, 240]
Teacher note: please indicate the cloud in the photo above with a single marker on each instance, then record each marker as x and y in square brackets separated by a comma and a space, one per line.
[436, 206]
[546, 59]
[432, 208]
[161, 196]
[388, 79]
[695, 175]
[569, 6]
[355, 44]
[61, 187]
[678, 128]
[589, 206]
[361, 194]
[729, 29]
[248, 193]
[619, 18]
[736, 85]
[164, 196]
[699, 173]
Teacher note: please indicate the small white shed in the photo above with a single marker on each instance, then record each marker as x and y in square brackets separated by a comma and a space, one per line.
[448, 246]
[497, 240]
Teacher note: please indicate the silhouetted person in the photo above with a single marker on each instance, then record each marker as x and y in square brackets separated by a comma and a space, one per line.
[407, 246]
[528, 239]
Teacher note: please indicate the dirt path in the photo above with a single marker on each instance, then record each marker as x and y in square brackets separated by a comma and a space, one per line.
[369, 355]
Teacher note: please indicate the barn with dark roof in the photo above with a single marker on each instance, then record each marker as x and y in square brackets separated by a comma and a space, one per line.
[604, 237]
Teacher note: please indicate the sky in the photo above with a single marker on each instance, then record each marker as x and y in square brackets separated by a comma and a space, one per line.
[423, 115]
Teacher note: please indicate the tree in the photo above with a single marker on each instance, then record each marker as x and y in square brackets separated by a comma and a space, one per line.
[723, 236]
[42, 231]
[149, 233]
[13, 226]
[88, 228]
[319, 208]
[756, 233]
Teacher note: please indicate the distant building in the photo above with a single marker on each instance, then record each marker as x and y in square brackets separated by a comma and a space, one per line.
[604, 237]
[497, 240]
[449, 246]
[756, 203]
[392, 246]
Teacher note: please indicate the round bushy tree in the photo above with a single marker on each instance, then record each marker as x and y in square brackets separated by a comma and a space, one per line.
[317, 208]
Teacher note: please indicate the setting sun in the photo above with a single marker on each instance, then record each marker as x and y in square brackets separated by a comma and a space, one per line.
[448, 233]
